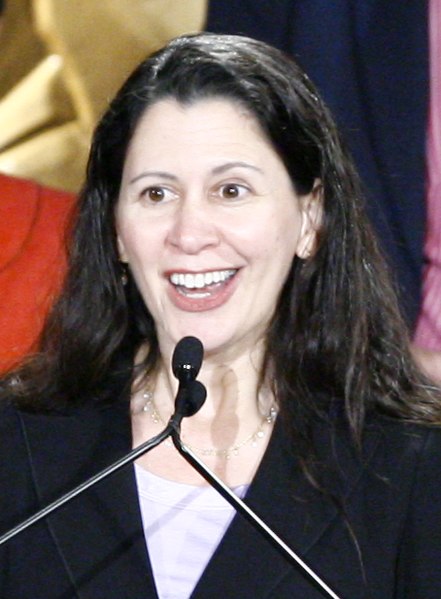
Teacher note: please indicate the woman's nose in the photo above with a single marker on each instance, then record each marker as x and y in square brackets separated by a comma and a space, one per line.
[193, 228]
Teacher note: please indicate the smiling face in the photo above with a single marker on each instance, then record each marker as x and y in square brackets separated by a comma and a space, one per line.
[209, 223]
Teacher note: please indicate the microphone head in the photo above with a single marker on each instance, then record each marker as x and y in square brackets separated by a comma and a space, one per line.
[187, 358]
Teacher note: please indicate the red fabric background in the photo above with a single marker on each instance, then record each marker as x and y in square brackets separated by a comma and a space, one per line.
[33, 222]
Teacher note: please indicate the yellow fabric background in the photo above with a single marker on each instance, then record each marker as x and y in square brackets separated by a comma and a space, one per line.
[60, 63]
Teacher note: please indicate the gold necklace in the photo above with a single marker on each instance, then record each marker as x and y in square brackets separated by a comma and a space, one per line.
[227, 452]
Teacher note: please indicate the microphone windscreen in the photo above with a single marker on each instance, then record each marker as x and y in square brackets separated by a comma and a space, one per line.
[190, 399]
[188, 354]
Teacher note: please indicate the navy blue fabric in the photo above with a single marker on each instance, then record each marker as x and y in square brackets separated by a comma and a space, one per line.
[369, 60]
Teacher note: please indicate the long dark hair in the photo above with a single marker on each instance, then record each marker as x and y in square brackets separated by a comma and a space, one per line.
[336, 338]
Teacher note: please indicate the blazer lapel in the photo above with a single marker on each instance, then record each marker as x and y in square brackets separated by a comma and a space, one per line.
[99, 534]
[297, 513]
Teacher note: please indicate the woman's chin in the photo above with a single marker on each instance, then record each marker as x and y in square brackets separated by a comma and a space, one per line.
[214, 342]
[220, 344]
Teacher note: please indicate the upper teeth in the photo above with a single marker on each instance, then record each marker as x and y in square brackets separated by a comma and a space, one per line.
[201, 279]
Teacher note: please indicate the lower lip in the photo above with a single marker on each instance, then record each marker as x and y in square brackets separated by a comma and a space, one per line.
[215, 298]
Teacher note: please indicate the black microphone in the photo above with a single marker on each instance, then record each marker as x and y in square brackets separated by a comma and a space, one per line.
[187, 359]
[186, 362]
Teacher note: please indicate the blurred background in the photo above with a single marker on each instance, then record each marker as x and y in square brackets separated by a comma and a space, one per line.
[60, 63]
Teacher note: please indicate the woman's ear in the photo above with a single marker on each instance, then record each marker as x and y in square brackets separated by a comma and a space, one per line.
[311, 207]
[121, 249]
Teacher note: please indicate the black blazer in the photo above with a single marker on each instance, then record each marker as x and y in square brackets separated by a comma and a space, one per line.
[94, 547]
[369, 59]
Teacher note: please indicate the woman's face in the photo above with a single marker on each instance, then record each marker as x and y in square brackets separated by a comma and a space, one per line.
[209, 223]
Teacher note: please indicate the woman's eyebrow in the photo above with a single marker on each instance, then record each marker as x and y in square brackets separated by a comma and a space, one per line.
[217, 170]
[234, 164]
[160, 174]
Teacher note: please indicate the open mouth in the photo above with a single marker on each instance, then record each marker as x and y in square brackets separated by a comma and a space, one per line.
[201, 284]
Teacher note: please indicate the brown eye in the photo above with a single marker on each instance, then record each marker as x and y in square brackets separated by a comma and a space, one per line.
[231, 191]
[154, 194]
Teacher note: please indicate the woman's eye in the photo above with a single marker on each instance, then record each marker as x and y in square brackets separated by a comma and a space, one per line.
[155, 194]
[232, 191]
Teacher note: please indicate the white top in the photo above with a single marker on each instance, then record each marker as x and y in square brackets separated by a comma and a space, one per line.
[183, 525]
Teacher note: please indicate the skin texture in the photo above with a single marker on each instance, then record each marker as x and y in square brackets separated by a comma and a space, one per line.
[203, 191]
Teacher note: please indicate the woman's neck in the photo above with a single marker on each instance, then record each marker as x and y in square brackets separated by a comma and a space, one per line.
[232, 388]
[235, 421]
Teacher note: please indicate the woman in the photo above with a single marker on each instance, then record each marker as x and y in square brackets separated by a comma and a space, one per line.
[220, 203]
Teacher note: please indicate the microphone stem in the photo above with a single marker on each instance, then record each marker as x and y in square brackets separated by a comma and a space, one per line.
[241, 507]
